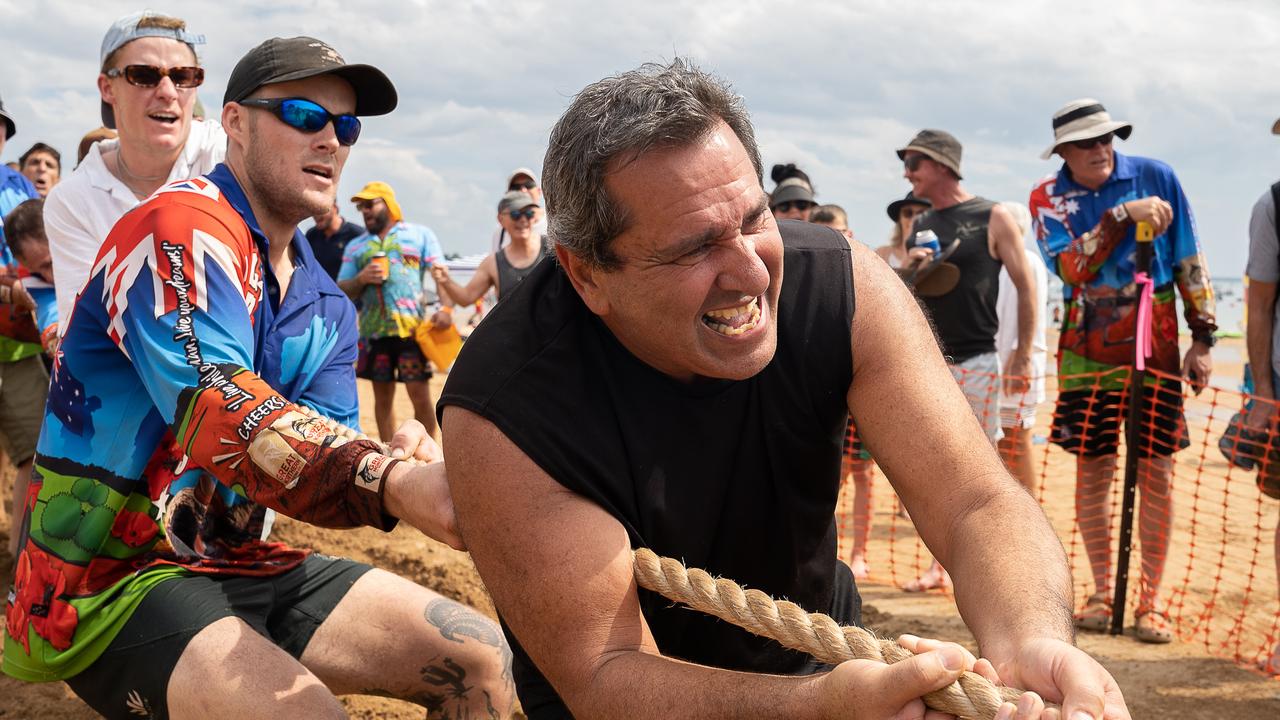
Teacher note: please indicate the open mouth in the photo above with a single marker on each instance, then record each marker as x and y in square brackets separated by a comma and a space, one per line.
[735, 320]
[163, 117]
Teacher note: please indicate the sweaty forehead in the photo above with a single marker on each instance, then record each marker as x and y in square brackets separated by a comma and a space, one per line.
[709, 181]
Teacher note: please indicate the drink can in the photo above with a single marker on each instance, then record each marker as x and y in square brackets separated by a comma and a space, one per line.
[381, 260]
[928, 239]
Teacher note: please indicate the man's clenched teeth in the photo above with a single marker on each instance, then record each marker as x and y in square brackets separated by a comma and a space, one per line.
[735, 320]
[163, 117]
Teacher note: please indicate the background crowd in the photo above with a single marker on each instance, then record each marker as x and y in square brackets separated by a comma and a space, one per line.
[979, 267]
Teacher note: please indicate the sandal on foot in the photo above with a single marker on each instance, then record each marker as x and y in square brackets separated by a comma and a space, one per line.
[1153, 626]
[1096, 613]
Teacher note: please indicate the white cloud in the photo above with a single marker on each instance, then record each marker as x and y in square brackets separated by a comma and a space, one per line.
[835, 86]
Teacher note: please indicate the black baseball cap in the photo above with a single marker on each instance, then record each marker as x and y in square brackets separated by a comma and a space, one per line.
[284, 59]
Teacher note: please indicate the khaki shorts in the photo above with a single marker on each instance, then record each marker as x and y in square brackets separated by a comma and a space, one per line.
[24, 387]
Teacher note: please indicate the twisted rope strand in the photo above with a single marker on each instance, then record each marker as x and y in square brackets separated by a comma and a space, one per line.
[972, 697]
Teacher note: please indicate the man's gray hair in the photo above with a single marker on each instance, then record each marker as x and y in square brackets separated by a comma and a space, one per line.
[611, 123]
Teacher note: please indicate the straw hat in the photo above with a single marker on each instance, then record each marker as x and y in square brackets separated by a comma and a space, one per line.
[1081, 120]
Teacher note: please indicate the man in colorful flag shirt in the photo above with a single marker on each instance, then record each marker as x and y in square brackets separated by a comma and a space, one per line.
[205, 332]
[1085, 217]
[384, 270]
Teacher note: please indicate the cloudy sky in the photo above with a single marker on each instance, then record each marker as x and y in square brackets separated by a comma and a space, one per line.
[834, 87]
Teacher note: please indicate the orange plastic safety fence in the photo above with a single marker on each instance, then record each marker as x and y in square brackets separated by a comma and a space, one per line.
[1205, 537]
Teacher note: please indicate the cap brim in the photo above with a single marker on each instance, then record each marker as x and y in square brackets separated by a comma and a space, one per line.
[523, 171]
[10, 127]
[375, 94]
[933, 155]
[1121, 129]
[790, 193]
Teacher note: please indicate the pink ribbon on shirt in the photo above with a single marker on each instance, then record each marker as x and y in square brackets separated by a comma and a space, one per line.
[1146, 298]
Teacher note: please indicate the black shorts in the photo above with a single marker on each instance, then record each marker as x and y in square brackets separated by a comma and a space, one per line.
[392, 359]
[131, 677]
[1087, 421]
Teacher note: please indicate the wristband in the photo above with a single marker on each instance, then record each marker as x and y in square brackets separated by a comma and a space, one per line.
[1120, 213]
[1207, 339]
[446, 309]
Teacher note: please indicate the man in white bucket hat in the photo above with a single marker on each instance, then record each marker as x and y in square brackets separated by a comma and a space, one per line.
[1084, 216]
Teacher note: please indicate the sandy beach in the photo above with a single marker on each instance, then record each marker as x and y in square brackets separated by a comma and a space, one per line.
[1221, 581]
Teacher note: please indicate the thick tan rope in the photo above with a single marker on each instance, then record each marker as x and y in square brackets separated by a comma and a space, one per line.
[972, 697]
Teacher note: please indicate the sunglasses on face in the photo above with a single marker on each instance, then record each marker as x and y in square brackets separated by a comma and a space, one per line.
[527, 214]
[910, 212]
[309, 117]
[1091, 142]
[363, 205]
[522, 185]
[786, 207]
[912, 162]
[149, 76]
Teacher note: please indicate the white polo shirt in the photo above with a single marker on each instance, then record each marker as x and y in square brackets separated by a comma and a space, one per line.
[82, 208]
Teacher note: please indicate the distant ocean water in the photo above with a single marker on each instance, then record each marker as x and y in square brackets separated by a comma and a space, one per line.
[1228, 292]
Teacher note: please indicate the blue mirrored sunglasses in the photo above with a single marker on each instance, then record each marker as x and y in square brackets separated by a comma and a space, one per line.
[527, 213]
[309, 117]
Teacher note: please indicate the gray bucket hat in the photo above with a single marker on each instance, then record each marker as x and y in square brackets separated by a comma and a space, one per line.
[939, 145]
[1081, 120]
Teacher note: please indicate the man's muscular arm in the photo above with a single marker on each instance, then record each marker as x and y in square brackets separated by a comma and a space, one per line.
[982, 526]
[559, 570]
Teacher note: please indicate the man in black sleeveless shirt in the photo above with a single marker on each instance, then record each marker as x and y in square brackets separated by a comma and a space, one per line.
[663, 385]
[965, 316]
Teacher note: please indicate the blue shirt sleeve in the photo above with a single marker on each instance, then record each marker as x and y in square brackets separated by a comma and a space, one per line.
[349, 268]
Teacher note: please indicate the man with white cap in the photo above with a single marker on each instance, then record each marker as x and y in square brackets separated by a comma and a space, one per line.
[523, 180]
[1263, 337]
[149, 75]
[1085, 216]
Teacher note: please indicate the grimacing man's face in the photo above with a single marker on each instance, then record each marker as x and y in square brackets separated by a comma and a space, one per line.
[701, 262]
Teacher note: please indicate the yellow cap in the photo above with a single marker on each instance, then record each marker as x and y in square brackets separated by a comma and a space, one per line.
[378, 190]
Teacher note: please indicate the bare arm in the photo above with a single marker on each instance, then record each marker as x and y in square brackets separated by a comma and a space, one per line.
[1006, 239]
[369, 274]
[983, 527]
[484, 278]
[559, 570]
[966, 505]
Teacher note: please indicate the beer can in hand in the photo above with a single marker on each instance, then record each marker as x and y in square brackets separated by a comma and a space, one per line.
[928, 239]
